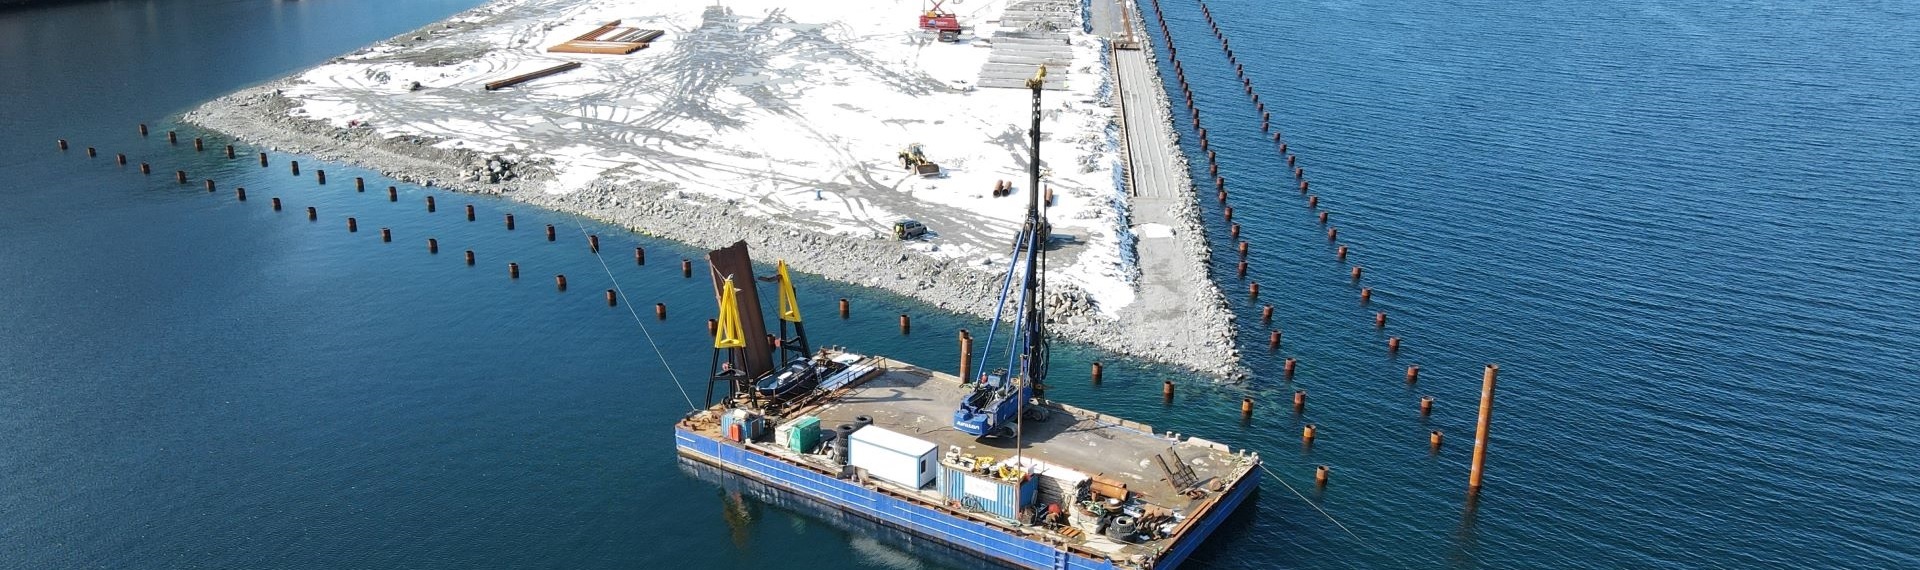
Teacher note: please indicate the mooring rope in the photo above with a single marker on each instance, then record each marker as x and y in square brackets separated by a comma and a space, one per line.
[1296, 493]
[643, 325]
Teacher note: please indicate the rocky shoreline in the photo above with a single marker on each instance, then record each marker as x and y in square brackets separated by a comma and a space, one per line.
[261, 115]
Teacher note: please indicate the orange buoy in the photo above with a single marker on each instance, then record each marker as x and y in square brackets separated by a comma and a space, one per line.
[1234, 231]
[1243, 248]
[1288, 367]
[1273, 340]
[660, 311]
[1253, 289]
[1323, 218]
[1340, 253]
[1393, 344]
[1246, 406]
[1426, 406]
[1313, 201]
[1299, 400]
[1320, 476]
[1229, 212]
[1266, 313]
[1413, 374]
[1166, 390]
[1241, 270]
[1097, 371]
[906, 324]
[1356, 273]
[712, 326]
[1380, 319]
[1303, 186]
[1307, 433]
[1366, 294]
[843, 307]
[1333, 234]
[1433, 439]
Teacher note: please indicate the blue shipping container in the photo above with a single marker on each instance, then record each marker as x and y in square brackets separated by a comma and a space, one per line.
[990, 494]
[751, 424]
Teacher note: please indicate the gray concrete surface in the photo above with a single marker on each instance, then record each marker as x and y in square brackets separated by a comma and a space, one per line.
[1176, 295]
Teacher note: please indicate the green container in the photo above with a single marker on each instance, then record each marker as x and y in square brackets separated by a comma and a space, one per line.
[806, 434]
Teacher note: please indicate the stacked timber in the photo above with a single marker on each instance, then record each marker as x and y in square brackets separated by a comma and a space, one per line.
[610, 39]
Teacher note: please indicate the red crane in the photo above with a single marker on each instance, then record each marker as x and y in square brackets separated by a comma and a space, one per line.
[941, 22]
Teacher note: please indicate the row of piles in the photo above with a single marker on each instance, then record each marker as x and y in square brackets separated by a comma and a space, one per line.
[433, 244]
[386, 234]
[1323, 218]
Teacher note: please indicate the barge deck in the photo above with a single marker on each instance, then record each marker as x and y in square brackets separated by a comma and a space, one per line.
[1200, 483]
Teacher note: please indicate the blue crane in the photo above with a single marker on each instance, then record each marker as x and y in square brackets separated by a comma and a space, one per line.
[998, 400]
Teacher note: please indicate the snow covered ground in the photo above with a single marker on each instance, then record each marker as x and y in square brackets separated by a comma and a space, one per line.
[793, 112]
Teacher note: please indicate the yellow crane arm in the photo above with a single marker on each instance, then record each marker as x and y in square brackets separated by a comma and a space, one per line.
[729, 333]
[789, 303]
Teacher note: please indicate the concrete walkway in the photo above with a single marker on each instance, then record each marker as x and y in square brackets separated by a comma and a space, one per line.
[1177, 298]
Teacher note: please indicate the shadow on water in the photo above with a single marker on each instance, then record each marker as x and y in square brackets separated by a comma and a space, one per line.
[875, 544]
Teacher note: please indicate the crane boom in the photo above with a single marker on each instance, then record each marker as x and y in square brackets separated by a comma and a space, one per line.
[996, 405]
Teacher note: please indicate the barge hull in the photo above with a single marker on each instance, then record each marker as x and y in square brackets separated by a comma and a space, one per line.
[965, 535]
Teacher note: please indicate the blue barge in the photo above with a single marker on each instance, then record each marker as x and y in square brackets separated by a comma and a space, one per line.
[1082, 453]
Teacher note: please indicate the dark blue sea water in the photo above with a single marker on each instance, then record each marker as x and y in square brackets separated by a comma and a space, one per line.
[1687, 232]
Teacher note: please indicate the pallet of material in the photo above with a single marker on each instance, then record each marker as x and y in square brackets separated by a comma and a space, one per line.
[530, 76]
[610, 38]
[609, 48]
